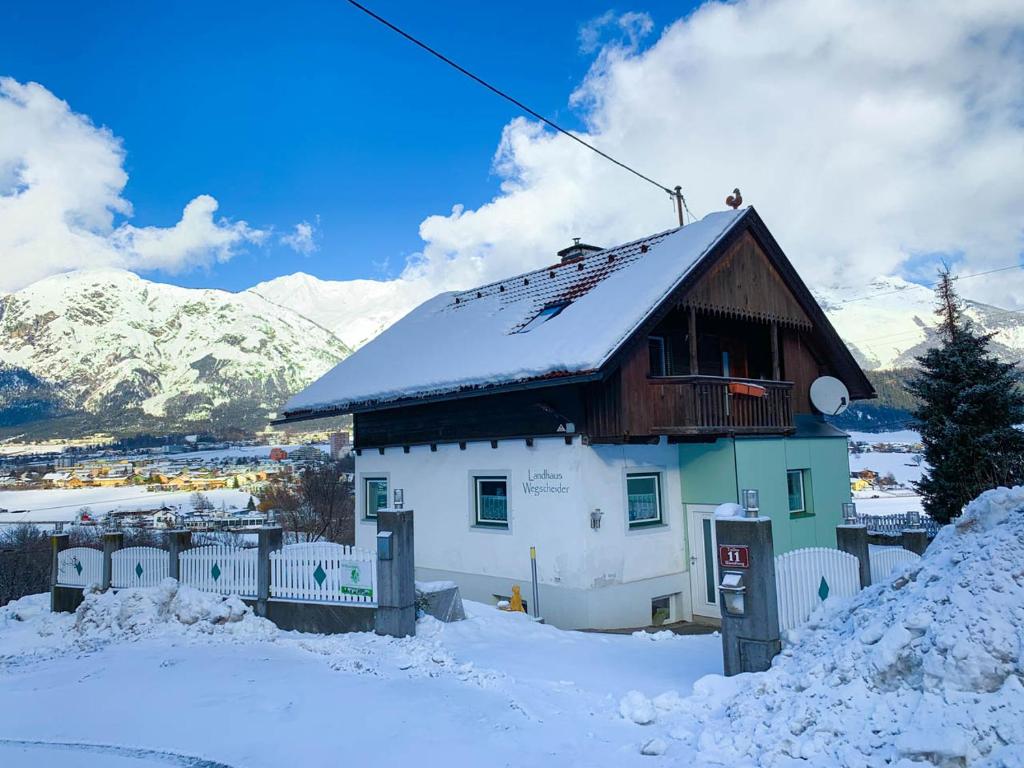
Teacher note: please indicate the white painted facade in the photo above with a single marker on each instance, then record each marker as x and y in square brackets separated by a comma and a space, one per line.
[604, 578]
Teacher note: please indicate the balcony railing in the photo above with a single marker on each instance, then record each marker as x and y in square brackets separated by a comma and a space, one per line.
[706, 405]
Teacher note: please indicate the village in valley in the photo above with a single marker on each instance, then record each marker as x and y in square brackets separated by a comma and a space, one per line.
[674, 419]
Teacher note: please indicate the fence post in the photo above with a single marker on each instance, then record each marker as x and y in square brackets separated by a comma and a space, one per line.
[58, 543]
[111, 543]
[396, 574]
[914, 539]
[747, 595]
[270, 540]
[177, 542]
[853, 539]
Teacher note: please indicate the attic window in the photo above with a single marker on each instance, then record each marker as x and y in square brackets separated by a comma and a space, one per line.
[543, 316]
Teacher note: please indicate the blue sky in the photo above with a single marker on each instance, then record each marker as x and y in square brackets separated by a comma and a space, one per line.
[288, 113]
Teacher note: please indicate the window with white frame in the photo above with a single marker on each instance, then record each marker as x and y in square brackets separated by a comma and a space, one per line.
[375, 493]
[643, 498]
[491, 500]
[795, 487]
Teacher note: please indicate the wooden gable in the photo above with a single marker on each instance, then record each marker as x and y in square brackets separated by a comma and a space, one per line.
[743, 283]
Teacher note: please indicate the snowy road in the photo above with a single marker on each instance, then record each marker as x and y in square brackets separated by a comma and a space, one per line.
[496, 689]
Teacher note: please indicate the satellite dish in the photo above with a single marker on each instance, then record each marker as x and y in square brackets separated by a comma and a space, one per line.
[829, 395]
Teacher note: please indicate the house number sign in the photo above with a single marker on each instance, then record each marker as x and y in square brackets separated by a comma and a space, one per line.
[733, 556]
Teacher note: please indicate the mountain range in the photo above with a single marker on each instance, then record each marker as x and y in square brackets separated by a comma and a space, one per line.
[106, 350]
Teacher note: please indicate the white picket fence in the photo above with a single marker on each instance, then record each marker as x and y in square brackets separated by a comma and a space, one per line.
[886, 559]
[79, 567]
[804, 578]
[219, 568]
[139, 567]
[324, 572]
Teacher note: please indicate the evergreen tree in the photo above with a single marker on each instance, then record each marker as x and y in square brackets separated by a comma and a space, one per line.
[251, 506]
[970, 404]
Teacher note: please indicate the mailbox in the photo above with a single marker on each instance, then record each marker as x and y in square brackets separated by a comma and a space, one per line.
[384, 550]
[733, 593]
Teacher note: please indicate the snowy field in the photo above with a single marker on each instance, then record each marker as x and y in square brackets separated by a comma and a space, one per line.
[898, 436]
[495, 689]
[62, 504]
[901, 465]
[888, 504]
[925, 668]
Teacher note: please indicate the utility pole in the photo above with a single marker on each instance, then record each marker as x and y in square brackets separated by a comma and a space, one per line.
[678, 195]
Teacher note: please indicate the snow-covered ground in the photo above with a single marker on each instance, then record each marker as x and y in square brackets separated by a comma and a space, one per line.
[496, 689]
[923, 669]
[882, 503]
[62, 504]
[899, 436]
[901, 465]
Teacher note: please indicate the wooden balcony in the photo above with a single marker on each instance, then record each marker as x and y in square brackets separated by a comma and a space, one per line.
[708, 405]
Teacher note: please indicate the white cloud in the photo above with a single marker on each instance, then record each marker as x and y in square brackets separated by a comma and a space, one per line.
[866, 133]
[302, 239]
[61, 185]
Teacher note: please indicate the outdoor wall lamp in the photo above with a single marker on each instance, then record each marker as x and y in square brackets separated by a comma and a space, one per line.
[913, 519]
[399, 498]
[849, 513]
[733, 593]
[595, 519]
[751, 502]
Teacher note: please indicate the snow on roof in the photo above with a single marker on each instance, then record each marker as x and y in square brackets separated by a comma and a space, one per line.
[476, 338]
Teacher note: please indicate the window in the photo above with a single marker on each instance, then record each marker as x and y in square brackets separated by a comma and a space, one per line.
[491, 504]
[543, 316]
[656, 350]
[643, 499]
[376, 495]
[795, 483]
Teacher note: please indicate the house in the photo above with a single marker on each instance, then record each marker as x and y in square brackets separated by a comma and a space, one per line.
[599, 409]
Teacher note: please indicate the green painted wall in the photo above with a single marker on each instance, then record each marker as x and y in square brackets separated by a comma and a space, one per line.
[712, 473]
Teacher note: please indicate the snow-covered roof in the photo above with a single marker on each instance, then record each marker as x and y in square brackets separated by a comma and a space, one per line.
[478, 338]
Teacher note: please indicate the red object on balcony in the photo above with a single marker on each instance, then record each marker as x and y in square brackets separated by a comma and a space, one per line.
[750, 390]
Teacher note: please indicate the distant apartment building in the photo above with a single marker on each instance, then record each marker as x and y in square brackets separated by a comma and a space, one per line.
[340, 445]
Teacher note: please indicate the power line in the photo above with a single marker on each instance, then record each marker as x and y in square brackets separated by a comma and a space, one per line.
[494, 89]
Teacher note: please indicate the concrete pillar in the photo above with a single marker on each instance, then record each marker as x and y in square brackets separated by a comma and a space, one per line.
[854, 540]
[914, 539]
[58, 543]
[746, 554]
[111, 543]
[271, 539]
[396, 574]
[177, 542]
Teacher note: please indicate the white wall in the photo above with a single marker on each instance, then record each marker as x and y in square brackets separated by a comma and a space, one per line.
[599, 578]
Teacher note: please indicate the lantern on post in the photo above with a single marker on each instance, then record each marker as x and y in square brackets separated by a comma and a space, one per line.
[751, 502]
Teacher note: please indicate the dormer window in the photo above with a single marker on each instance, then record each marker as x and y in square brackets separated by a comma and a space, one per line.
[543, 316]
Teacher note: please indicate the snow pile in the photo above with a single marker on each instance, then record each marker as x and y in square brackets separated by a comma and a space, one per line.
[926, 668]
[169, 608]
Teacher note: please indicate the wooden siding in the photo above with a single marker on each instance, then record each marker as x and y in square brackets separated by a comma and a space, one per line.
[514, 414]
[743, 283]
[801, 364]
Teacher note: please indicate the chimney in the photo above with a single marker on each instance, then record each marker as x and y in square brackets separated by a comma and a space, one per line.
[577, 250]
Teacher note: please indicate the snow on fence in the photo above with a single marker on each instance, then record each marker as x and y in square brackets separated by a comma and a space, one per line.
[79, 567]
[324, 572]
[804, 578]
[139, 567]
[896, 523]
[219, 568]
[885, 559]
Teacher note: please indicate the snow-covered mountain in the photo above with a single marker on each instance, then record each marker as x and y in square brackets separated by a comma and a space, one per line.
[888, 324]
[355, 310]
[124, 349]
